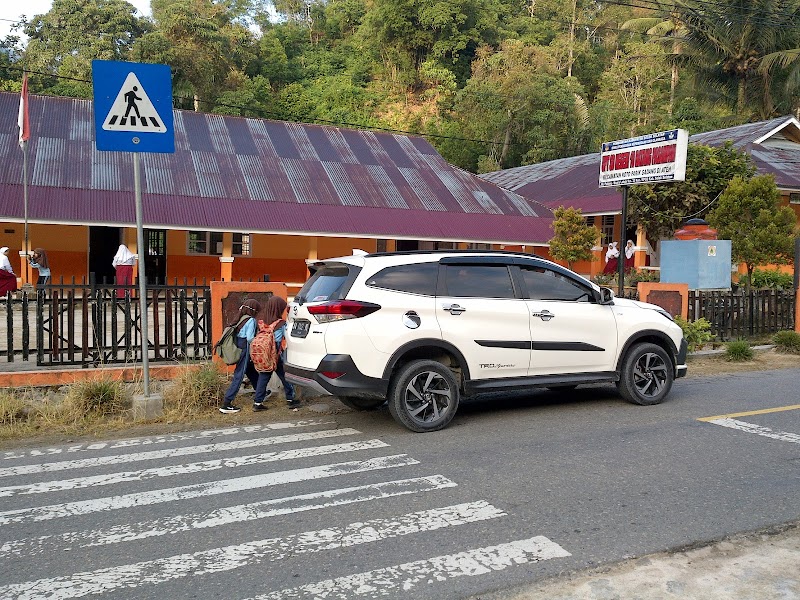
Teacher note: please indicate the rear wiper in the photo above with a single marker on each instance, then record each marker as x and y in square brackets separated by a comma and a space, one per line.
[300, 300]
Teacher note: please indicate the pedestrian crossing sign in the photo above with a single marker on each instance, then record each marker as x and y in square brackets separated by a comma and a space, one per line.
[133, 107]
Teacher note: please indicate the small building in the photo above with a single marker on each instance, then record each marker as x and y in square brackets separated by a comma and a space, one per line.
[774, 146]
[242, 198]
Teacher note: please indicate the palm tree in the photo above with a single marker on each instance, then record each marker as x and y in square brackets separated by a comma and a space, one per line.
[728, 42]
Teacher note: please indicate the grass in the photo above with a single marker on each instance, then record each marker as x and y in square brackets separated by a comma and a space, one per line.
[738, 351]
[787, 342]
[104, 404]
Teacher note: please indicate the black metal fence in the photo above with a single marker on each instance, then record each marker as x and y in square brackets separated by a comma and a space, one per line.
[78, 324]
[739, 314]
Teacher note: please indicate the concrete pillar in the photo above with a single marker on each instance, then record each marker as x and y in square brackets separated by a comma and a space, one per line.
[226, 268]
[640, 256]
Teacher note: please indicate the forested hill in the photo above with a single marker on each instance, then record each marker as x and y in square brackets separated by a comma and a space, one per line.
[492, 83]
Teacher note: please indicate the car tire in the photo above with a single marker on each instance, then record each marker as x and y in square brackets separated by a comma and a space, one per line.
[361, 403]
[647, 375]
[424, 396]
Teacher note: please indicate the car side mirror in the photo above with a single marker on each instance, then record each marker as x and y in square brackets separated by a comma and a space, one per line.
[606, 296]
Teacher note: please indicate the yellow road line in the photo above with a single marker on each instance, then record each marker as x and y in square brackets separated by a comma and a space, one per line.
[752, 412]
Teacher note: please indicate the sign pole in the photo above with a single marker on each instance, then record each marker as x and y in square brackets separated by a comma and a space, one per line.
[622, 242]
[25, 268]
[142, 251]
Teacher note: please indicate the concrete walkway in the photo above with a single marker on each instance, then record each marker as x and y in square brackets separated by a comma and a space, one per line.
[759, 566]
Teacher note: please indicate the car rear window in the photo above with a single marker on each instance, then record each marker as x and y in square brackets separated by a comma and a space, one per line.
[414, 279]
[329, 282]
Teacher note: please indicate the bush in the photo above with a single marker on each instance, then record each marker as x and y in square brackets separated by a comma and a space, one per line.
[768, 278]
[98, 397]
[641, 275]
[787, 342]
[697, 333]
[738, 351]
[195, 389]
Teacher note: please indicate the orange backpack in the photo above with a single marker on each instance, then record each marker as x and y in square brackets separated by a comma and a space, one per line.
[262, 349]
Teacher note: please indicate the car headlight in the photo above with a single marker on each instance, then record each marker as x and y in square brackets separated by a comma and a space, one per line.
[664, 313]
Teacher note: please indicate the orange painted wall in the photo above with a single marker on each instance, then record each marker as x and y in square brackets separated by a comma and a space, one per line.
[66, 247]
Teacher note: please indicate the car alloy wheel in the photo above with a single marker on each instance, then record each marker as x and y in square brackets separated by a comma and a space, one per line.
[424, 396]
[647, 375]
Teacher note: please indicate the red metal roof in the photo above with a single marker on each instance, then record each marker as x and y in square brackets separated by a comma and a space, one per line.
[255, 175]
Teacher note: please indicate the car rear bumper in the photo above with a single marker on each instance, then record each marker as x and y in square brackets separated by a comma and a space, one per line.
[337, 375]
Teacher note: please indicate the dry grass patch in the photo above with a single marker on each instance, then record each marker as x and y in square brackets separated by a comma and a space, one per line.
[196, 390]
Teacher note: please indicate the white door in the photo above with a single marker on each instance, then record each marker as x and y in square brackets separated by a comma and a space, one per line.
[569, 333]
[478, 313]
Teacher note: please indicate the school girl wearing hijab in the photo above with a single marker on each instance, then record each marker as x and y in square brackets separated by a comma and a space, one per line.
[245, 332]
[276, 306]
[630, 251]
[123, 264]
[612, 256]
[8, 279]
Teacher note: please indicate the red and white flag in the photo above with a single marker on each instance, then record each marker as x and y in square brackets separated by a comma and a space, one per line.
[23, 120]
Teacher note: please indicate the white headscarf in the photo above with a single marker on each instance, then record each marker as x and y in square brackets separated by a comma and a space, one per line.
[123, 256]
[630, 249]
[612, 251]
[5, 264]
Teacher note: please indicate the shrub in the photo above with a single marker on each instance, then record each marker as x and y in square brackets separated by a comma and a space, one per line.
[768, 278]
[787, 342]
[697, 333]
[604, 279]
[196, 388]
[738, 351]
[642, 275]
[98, 397]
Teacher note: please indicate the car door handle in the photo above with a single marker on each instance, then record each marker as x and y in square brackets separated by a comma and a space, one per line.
[453, 309]
[544, 315]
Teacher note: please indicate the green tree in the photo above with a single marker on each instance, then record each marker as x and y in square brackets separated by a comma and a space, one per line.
[728, 41]
[661, 208]
[66, 39]
[750, 216]
[573, 239]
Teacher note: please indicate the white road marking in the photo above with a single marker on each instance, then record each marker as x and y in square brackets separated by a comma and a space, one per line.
[217, 560]
[234, 514]
[85, 463]
[161, 439]
[758, 430]
[77, 483]
[55, 511]
[390, 582]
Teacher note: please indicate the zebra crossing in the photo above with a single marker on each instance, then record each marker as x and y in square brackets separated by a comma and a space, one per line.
[140, 517]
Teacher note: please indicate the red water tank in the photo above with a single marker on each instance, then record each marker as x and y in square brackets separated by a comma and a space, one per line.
[696, 229]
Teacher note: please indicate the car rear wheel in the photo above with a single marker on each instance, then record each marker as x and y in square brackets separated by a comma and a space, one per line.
[647, 375]
[424, 396]
[361, 403]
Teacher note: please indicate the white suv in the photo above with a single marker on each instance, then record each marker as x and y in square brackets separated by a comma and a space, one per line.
[423, 329]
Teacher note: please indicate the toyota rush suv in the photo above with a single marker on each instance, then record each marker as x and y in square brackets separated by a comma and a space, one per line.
[421, 330]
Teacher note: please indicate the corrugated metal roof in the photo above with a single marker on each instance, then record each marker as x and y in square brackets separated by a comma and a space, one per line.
[254, 175]
[574, 181]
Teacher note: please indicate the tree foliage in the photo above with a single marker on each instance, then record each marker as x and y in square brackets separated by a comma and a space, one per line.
[749, 214]
[573, 239]
[661, 208]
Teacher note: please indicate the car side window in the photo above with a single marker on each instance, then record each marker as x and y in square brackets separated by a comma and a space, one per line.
[415, 279]
[478, 281]
[546, 284]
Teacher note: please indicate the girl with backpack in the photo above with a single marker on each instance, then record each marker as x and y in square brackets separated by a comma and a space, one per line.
[245, 332]
[276, 306]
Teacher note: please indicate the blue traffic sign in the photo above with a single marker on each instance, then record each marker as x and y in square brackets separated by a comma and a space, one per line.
[132, 107]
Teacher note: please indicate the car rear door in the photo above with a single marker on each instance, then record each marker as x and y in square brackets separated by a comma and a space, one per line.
[570, 333]
[482, 314]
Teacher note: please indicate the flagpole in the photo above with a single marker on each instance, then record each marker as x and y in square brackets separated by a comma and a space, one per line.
[26, 247]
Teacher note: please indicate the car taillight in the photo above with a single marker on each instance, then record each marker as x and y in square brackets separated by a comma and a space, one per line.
[339, 310]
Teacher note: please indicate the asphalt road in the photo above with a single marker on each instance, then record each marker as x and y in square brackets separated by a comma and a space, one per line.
[518, 489]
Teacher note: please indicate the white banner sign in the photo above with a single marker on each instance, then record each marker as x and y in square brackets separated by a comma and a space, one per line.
[645, 159]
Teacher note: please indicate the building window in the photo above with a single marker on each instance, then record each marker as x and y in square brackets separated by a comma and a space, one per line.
[608, 228]
[478, 246]
[210, 243]
[794, 198]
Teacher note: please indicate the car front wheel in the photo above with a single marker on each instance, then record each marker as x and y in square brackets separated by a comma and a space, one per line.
[424, 396]
[647, 375]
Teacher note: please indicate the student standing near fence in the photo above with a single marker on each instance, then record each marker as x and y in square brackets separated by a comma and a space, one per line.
[38, 260]
[8, 279]
[123, 263]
